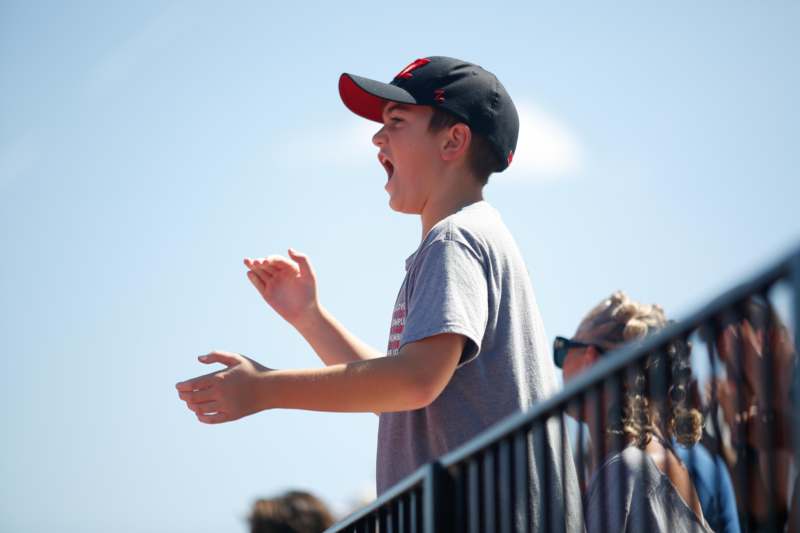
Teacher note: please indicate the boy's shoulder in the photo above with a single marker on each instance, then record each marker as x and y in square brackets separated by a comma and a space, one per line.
[478, 227]
[473, 224]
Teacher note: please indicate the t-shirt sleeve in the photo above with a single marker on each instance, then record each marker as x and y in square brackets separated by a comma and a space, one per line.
[448, 295]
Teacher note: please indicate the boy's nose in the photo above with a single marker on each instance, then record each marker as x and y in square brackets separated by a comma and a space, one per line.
[379, 139]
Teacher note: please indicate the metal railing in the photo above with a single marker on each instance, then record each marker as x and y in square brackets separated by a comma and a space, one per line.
[534, 470]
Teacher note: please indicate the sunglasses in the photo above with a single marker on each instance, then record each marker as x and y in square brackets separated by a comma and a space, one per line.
[562, 346]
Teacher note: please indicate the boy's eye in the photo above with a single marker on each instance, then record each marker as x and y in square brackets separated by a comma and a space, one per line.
[395, 119]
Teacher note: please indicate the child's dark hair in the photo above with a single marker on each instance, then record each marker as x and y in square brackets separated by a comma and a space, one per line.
[481, 158]
[293, 512]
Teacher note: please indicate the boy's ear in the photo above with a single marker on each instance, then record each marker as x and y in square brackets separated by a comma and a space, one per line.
[456, 142]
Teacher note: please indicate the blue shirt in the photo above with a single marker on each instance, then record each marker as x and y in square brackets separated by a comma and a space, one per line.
[716, 493]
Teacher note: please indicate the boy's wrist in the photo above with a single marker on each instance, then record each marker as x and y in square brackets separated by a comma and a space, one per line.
[267, 390]
[310, 319]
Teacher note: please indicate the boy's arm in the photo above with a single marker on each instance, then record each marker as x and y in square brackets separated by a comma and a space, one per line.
[290, 288]
[410, 380]
[332, 342]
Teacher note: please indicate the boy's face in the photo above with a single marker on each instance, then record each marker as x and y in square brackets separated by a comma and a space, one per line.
[409, 153]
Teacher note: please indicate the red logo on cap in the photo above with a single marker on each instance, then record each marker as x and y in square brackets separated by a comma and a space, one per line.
[406, 72]
[438, 95]
[510, 156]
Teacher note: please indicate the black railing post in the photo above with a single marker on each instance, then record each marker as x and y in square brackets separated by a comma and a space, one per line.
[485, 484]
[794, 276]
[794, 279]
[436, 504]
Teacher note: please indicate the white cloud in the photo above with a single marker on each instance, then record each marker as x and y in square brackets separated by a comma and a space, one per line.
[546, 148]
[344, 147]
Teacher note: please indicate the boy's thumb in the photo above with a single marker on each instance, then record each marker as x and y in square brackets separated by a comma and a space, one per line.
[302, 261]
[217, 357]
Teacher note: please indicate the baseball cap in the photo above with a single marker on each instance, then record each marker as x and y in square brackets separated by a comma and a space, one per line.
[463, 89]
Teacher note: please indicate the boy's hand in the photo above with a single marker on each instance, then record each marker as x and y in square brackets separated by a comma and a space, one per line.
[227, 394]
[288, 286]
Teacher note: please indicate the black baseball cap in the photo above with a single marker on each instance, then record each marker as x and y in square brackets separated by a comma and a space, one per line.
[463, 89]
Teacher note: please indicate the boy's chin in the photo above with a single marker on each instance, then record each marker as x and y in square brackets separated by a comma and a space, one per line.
[403, 210]
[395, 206]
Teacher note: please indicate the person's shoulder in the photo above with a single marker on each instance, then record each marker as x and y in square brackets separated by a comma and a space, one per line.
[628, 459]
[626, 466]
[475, 226]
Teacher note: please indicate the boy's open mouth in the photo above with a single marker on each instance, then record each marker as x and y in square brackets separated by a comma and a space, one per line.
[386, 165]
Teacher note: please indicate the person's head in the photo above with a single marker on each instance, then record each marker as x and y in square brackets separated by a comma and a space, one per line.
[753, 328]
[644, 403]
[446, 123]
[293, 512]
[750, 339]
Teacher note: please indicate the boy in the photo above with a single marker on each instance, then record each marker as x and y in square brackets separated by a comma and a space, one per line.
[466, 347]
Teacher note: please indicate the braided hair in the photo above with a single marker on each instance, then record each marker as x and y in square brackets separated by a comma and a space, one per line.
[655, 393]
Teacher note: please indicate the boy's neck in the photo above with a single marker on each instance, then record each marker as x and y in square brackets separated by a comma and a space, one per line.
[447, 203]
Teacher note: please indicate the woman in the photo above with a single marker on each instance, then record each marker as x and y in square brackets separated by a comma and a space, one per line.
[640, 483]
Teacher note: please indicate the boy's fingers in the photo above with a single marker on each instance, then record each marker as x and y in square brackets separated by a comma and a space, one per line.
[260, 268]
[256, 281]
[277, 262]
[302, 262]
[226, 359]
[264, 276]
[281, 264]
[270, 270]
[216, 418]
[205, 408]
[200, 396]
[270, 264]
[203, 382]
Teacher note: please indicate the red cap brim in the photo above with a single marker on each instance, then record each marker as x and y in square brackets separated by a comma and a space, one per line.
[366, 98]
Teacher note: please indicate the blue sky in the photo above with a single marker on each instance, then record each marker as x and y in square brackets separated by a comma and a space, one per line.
[147, 147]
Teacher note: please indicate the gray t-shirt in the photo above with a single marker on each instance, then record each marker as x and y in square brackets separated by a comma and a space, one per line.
[468, 277]
[630, 493]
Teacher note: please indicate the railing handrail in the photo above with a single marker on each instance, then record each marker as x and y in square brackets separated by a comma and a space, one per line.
[401, 487]
[609, 365]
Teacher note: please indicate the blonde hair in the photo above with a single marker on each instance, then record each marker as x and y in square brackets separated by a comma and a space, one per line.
[644, 405]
